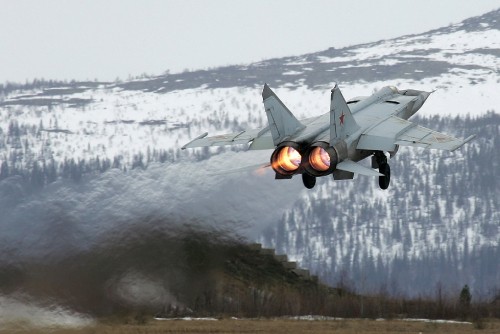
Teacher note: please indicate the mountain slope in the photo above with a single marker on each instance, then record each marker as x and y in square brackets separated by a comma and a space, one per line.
[88, 120]
[437, 224]
[71, 147]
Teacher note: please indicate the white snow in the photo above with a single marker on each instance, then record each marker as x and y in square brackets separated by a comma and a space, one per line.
[438, 321]
[187, 319]
[20, 312]
[292, 73]
[110, 126]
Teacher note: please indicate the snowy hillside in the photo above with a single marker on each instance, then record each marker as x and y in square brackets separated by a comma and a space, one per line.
[437, 223]
[87, 120]
[436, 209]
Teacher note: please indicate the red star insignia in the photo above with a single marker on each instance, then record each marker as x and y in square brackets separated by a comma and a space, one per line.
[342, 118]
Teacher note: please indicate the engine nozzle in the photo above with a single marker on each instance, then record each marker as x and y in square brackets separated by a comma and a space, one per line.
[286, 159]
[320, 159]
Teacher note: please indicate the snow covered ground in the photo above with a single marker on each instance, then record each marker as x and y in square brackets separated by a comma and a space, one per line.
[144, 117]
[125, 123]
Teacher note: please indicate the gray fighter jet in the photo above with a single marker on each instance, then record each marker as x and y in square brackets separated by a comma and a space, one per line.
[333, 143]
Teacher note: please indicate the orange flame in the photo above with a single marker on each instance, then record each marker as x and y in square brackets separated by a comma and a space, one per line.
[260, 171]
[319, 159]
[288, 159]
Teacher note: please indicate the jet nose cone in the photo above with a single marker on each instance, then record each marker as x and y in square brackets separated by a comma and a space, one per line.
[424, 95]
[413, 92]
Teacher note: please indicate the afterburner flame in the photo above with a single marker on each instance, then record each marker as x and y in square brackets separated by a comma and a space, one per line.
[288, 159]
[319, 159]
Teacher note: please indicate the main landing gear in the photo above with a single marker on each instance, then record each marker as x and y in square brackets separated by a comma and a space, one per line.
[379, 160]
[383, 168]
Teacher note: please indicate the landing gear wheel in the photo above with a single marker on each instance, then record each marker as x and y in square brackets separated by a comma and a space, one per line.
[383, 181]
[308, 180]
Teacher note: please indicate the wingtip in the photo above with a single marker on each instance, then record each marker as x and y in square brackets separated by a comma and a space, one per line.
[335, 87]
[199, 137]
[465, 141]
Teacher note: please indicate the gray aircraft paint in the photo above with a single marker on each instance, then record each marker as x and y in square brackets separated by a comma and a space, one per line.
[363, 127]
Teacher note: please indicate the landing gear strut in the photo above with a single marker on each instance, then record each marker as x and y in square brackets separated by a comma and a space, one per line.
[308, 180]
[383, 168]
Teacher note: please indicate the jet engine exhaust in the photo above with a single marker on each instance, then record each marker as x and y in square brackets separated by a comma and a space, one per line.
[286, 160]
[319, 159]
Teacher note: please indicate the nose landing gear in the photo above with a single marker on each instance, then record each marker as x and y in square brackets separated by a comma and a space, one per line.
[383, 168]
[308, 180]
[383, 181]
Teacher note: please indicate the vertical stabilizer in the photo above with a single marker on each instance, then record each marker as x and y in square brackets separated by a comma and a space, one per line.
[342, 123]
[282, 123]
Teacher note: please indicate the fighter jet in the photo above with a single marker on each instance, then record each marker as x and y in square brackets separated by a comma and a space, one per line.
[335, 142]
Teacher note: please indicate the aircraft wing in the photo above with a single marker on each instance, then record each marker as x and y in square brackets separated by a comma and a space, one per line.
[394, 131]
[260, 138]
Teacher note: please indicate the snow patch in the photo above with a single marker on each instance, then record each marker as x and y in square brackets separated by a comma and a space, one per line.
[20, 312]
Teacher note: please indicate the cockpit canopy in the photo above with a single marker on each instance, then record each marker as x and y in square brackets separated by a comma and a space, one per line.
[394, 89]
[388, 90]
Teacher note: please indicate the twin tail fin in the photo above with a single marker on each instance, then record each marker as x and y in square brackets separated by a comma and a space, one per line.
[282, 122]
[342, 122]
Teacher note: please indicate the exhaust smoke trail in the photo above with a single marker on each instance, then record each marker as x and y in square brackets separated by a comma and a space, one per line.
[68, 217]
[120, 239]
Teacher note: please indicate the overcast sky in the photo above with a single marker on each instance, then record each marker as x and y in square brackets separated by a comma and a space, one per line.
[106, 39]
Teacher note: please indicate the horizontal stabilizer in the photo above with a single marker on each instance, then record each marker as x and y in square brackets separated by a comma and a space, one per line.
[354, 167]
